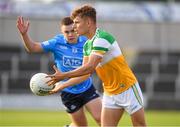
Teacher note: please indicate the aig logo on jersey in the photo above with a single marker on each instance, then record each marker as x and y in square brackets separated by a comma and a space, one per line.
[74, 62]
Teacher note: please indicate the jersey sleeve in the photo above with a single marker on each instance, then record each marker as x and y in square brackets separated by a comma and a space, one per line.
[49, 45]
[100, 46]
[85, 49]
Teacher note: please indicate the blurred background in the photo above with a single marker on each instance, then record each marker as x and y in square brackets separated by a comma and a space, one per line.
[148, 33]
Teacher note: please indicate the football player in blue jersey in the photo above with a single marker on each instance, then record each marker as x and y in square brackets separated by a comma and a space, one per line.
[67, 49]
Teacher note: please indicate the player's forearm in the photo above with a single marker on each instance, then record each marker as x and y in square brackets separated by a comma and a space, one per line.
[81, 71]
[28, 43]
[74, 81]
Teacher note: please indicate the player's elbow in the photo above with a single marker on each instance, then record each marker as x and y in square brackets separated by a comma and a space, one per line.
[29, 50]
[34, 49]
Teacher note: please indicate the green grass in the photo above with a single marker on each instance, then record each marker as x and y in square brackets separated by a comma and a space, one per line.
[60, 118]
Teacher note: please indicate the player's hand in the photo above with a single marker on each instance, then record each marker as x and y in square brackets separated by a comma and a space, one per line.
[57, 76]
[22, 25]
[58, 87]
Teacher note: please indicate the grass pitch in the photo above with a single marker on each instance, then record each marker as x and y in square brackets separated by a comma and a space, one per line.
[60, 118]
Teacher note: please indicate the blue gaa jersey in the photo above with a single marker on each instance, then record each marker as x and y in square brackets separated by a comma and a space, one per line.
[68, 57]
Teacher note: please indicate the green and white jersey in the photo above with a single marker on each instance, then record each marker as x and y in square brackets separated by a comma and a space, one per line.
[113, 69]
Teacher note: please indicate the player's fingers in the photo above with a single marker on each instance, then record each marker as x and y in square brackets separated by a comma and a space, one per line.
[27, 24]
[51, 82]
[50, 76]
[22, 20]
[18, 23]
[55, 68]
[18, 20]
[51, 92]
[18, 26]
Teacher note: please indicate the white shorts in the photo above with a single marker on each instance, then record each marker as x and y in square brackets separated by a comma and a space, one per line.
[131, 100]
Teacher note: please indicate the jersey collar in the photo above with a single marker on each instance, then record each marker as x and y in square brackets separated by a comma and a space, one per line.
[97, 29]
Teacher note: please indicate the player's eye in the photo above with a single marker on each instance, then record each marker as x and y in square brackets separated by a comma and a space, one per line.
[71, 31]
[67, 32]
[76, 22]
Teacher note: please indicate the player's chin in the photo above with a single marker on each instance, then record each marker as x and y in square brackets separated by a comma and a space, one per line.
[72, 39]
[78, 32]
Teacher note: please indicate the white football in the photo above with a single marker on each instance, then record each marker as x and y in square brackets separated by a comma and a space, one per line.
[38, 84]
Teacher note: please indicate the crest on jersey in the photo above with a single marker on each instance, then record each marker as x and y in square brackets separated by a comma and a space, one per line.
[74, 50]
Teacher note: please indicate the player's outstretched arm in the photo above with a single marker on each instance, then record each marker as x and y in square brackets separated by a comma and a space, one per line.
[23, 27]
[73, 81]
[85, 69]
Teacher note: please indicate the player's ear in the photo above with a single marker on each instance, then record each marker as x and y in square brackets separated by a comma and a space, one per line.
[88, 21]
[62, 28]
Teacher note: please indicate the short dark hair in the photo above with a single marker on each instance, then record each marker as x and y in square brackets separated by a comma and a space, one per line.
[66, 21]
[84, 11]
